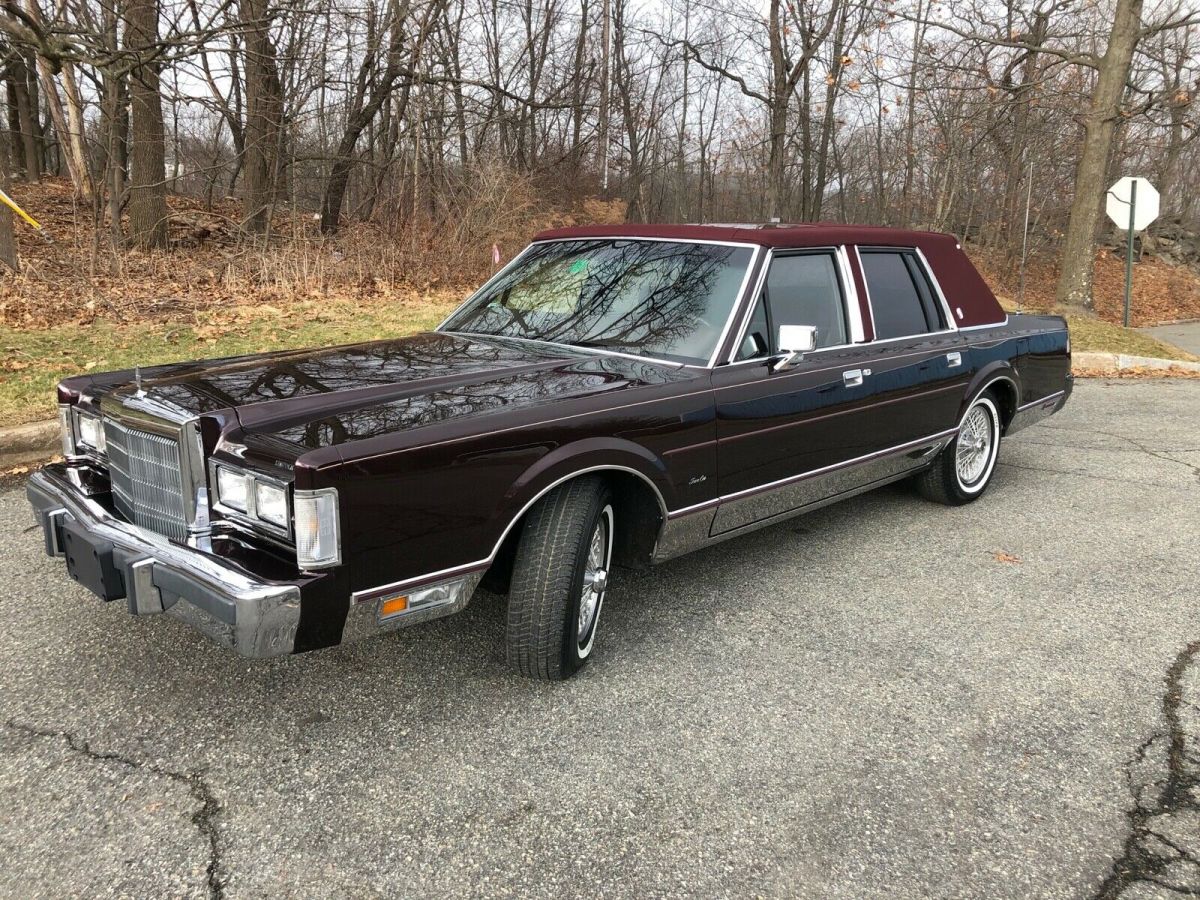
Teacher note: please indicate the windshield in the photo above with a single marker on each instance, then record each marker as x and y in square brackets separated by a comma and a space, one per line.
[652, 298]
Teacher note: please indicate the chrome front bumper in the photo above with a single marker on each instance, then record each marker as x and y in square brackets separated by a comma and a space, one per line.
[115, 560]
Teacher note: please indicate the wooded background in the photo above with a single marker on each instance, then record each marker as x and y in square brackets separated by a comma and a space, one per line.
[454, 118]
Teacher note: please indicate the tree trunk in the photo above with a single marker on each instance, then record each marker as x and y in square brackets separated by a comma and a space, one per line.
[364, 109]
[8, 241]
[910, 128]
[1079, 249]
[69, 124]
[26, 152]
[262, 116]
[147, 184]
[777, 110]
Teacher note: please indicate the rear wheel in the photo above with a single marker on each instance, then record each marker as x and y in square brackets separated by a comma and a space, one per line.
[559, 579]
[963, 470]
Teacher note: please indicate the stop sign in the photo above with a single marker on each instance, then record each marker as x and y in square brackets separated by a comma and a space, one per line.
[1146, 203]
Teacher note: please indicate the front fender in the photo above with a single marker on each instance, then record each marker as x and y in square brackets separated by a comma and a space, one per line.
[588, 455]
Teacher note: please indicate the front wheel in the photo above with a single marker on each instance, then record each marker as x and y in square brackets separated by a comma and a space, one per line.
[559, 580]
[962, 471]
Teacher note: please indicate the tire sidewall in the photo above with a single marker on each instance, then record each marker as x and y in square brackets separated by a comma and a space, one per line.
[977, 487]
[573, 655]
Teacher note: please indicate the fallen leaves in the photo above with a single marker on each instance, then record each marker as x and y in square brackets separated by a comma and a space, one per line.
[1135, 372]
[1004, 556]
[1162, 292]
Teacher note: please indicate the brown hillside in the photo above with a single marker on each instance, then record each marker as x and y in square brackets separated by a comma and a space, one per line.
[78, 278]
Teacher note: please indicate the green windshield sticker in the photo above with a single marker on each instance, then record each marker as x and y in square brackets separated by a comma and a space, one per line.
[578, 266]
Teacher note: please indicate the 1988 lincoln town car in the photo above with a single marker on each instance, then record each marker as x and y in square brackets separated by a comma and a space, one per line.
[615, 395]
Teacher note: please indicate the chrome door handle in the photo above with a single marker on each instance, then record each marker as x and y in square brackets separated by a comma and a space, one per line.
[953, 359]
[853, 378]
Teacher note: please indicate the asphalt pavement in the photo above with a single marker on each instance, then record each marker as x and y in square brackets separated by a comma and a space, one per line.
[1185, 335]
[888, 698]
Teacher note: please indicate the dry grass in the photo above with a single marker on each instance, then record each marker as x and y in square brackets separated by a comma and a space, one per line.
[212, 266]
[1162, 292]
[33, 360]
[1092, 334]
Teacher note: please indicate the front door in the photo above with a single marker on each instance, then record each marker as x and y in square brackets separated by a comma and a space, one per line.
[788, 438]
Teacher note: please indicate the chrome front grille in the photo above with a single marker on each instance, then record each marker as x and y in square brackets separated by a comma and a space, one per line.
[147, 479]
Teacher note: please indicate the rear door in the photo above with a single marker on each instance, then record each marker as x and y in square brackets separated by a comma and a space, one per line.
[780, 433]
[919, 365]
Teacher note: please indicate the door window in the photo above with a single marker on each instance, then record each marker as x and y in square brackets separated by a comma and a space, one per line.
[801, 289]
[902, 300]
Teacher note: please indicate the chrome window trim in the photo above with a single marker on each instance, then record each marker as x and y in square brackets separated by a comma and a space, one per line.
[864, 346]
[367, 594]
[867, 295]
[1000, 324]
[748, 311]
[853, 309]
[937, 289]
[738, 302]
[756, 253]
[904, 337]
[849, 300]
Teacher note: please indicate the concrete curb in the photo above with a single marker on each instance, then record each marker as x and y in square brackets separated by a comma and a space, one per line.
[1123, 362]
[22, 445]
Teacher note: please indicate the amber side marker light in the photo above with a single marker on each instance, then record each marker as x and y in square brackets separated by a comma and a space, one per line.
[393, 605]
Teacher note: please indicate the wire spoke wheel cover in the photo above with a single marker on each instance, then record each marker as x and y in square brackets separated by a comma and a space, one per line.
[976, 446]
[595, 580]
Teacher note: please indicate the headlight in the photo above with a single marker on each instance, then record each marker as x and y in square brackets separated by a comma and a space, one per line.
[258, 498]
[270, 503]
[318, 544]
[233, 488]
[89, 432]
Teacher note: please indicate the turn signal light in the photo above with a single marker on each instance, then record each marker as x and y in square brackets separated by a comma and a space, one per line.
[393, 605]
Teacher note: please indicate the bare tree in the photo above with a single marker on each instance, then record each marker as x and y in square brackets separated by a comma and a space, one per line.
[147, 169]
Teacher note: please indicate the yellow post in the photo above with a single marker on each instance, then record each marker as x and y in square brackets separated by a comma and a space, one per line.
[12, 204]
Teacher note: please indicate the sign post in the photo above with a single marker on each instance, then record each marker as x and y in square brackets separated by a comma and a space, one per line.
[1129, 249]
[1132, 204]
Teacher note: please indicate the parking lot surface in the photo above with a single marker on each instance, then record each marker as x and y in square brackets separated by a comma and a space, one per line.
[888, 698]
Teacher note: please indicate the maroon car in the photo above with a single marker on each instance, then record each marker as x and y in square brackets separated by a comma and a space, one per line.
[614, 396]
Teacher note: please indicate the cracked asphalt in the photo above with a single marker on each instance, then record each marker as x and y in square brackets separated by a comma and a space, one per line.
[885, 699]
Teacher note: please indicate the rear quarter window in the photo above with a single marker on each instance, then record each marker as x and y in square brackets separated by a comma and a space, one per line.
[902, 300]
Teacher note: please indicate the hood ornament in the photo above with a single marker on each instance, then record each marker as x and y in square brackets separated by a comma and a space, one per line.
[137, 382]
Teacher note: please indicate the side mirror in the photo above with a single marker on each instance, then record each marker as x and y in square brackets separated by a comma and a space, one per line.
[794, 342]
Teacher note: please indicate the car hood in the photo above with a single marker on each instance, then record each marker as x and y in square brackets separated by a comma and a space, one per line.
[319, 398]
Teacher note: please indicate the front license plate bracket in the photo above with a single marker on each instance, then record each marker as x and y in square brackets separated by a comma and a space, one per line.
[90, 562]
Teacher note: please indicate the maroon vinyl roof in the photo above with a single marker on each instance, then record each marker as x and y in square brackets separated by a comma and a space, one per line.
[817, 234]
[971, 300]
